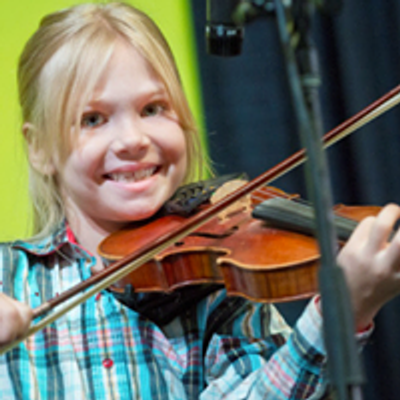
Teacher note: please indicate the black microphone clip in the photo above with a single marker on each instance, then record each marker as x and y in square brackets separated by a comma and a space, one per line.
[225, 25]
[226, 20]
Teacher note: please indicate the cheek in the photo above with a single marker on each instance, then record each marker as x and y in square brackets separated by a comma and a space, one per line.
[87, 156]
[78, 162]
[175, 146]
[179, 153]
[77, 167]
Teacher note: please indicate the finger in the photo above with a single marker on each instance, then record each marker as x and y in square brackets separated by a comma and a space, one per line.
[383, 227]
[392, 253]
[362, 232]
[15, 318]
[26, 315]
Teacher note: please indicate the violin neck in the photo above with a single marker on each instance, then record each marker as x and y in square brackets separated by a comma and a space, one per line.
[299, 217]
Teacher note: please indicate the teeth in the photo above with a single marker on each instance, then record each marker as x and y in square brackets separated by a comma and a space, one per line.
[132, 176]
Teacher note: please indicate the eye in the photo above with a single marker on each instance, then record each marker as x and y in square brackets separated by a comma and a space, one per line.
[153, 109]
[92, 120]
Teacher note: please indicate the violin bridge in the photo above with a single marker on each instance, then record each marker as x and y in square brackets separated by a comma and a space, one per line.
[243, 204]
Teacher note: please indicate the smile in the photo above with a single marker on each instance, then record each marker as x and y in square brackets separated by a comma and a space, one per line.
[131, 176]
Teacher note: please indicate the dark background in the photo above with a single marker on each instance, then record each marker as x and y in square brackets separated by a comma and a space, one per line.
[251, 127]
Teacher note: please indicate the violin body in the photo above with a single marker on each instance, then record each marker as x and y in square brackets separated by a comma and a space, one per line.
[248, 256]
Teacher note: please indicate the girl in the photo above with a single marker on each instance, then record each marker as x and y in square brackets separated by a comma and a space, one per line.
[110, 138]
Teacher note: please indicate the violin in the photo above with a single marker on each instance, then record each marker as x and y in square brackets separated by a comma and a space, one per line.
[251, 257]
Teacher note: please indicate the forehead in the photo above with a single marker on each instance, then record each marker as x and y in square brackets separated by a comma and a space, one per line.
[127, 72]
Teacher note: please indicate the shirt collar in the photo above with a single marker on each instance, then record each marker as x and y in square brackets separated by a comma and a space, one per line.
[62, 236]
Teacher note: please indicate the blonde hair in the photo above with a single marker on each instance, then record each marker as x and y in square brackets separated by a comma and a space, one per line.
[58, 71]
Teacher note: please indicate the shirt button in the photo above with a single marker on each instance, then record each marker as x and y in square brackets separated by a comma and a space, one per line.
[108, 363]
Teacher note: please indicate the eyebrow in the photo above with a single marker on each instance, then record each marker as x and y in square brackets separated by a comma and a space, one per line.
[152, 91]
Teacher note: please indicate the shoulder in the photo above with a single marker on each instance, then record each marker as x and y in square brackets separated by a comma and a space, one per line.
[13, 265]
[9, 252]
[5, 246]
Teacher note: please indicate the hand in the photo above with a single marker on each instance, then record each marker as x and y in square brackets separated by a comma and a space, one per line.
[372, 264]
[15, 318]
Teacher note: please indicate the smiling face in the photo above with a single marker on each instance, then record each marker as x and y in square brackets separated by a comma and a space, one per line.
[130, 154]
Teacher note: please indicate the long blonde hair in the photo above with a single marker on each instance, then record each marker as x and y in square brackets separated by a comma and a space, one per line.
[58, 70]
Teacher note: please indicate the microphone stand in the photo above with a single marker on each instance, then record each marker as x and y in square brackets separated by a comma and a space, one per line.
[344, 365]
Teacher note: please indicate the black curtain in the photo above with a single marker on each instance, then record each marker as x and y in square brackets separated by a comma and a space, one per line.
[251, 127]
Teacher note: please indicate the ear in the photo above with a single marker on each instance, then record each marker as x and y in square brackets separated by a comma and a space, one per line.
[37, 156]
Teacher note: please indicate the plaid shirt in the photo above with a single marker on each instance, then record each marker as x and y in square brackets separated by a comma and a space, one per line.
[105, 350]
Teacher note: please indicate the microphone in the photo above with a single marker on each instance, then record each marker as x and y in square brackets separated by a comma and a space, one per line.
[226, 19]
[225, 23]
[224, 33]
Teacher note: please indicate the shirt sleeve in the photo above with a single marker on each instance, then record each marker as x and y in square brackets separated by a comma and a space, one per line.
[257, 355]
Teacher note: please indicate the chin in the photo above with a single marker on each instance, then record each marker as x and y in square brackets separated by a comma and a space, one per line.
[142, 215]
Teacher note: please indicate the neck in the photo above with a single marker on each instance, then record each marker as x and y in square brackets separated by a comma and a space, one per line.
[89, 235]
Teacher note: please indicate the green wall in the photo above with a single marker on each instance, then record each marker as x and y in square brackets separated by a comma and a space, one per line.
[18, 20]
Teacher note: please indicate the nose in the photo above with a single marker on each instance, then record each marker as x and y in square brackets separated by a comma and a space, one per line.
[130, 138]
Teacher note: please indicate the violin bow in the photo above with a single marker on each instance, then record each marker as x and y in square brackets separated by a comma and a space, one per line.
[128, 264]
